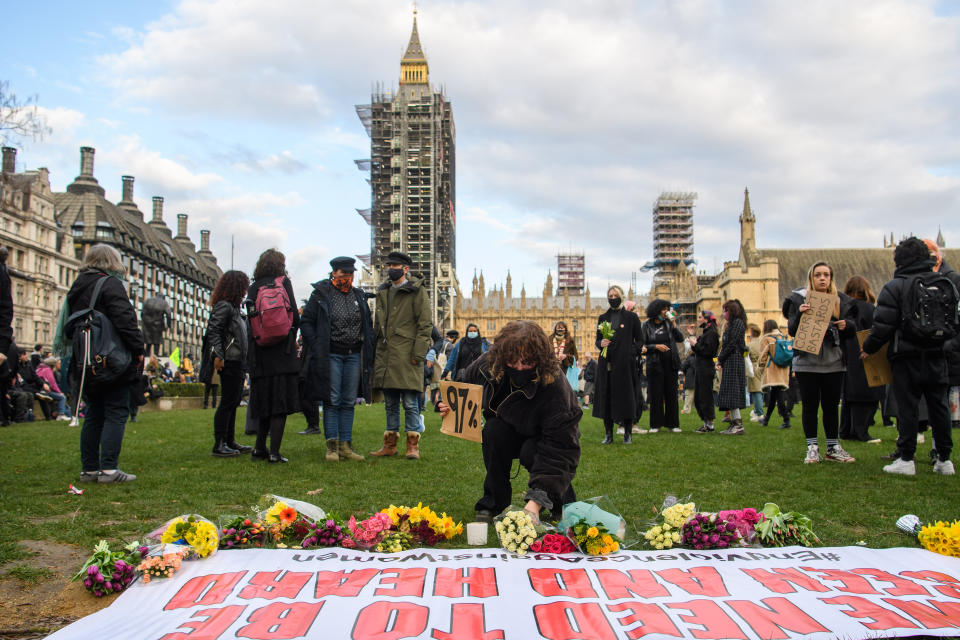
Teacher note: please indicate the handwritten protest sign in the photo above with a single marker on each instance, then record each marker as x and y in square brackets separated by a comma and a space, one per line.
[814, 323]
[876, 365]
[463, 421]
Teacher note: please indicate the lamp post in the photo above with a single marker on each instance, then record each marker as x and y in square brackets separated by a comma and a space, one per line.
[576, 334]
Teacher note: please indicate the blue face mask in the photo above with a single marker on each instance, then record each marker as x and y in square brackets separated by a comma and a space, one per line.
[473, 334]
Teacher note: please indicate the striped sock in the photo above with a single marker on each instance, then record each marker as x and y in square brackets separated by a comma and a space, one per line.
[811, 441]
[832, 443]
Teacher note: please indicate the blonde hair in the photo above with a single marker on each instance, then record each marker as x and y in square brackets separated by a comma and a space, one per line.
[831, 288]
[103, 257]
[616, 288]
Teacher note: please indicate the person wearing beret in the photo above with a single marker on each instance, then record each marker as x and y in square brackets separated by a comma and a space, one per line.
[338, 343]
[402, 328]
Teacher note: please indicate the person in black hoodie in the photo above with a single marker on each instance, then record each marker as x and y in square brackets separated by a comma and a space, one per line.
[274, 369]
[918, 363]
[531, 413]
[705, 348]
[107, 406]
[337, 331]
[660, 337]
[225, 351]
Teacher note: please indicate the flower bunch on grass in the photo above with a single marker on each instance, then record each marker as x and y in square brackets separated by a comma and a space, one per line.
[423, 523]
[395, 542]
[162, 566]
[594, 539]
[516, 531]
[664, 531]
[709, 531]
[193, 531]
[553, 543]
[746, 521]
[662, 536]
[678, 513]
[368, 533]
[242, 532]
[285, 526]
[779, 529]
[324, 534]
[941, 538]
[107, 571]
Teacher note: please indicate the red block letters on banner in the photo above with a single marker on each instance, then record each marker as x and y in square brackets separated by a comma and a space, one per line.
[849, 581]
[573, 621]
[406, 582]
[698, 581]
[275, 584]
[390, 621]
[205, 590]
[347, 584]
[880, 619]
[281, 621]
[469, 581]
[782, 580]
[651, 617]
[716, 623]
[467, 621]
[618, 584]
[939, 615]
[569, 583]
[902, 588]
[951, 589]
[216, 623]
[772, 616]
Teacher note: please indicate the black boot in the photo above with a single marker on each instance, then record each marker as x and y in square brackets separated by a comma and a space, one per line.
[222, 450]
[628, 434]
[231, 440]
[608, 429]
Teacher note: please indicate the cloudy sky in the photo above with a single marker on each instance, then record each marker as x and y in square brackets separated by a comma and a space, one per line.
[843, 119]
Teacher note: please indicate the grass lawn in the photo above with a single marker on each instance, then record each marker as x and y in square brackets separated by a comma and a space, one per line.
[170, 453]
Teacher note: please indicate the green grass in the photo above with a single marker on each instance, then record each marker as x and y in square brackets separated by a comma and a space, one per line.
[30, 575]
[170, 453]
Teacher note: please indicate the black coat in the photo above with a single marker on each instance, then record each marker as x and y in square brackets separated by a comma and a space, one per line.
[6, 310]
[855, 387]
[952, 347]
[689, 367]
[225, 338]
[661, 362]
[113, 303]
[887, 316]
[616, 390]
[706, 348]
[549, 413]
[278, 359]
[315, 329]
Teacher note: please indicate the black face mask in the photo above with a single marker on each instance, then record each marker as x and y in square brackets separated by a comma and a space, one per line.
[395, 274]
[614, 302]
[520, 378]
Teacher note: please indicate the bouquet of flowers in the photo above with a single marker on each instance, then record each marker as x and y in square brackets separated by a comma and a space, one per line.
[778, 529]
[395, 542]
[553, 543]
[709, 531]
[606, 332]
[423, 524]
[109, 571]
[594, 539]
[161, 566]
[662, 536]
[941, 538]
[664, 532]
[746, 521]
[241, 532]
[285, 525]
[193, 531]
[516, 531]
[368, 533]
[327, 534]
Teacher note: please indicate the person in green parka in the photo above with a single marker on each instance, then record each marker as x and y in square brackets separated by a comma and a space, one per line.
[402, 326]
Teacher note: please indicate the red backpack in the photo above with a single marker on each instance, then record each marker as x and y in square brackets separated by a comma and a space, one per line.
[272, 317]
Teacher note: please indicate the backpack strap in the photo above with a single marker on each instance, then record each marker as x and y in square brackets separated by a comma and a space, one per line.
[97, 288]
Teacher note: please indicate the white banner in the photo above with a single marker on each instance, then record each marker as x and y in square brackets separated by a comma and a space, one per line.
[746, 594]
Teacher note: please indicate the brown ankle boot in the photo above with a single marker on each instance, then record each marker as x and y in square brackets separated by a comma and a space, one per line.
[332, 454]
[413, 445]
[389, 448]
[346, 452]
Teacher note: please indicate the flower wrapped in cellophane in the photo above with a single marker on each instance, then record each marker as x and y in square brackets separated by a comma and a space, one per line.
[516, 530]
[107, 571]
[664, 531]
[196, 534]
[423, 524]
[288, 522]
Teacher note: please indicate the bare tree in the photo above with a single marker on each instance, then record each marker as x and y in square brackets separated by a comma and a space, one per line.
[20, 119]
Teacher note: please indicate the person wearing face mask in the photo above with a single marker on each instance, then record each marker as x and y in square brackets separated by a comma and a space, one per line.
[530, 413]
[464, 352]
[733, 377]
[615, 398]
[564, 346]
[337, 332]
[705, 349]
[660, 337]
[402, 329]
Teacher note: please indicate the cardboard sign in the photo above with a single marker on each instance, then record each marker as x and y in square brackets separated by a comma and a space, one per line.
[814, 323]
[876, 365]
[464, 400]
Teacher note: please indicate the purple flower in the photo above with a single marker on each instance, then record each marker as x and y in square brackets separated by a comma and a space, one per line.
[98, 578]
[724, 544]
[714, 538]
[88, 583]
[107, 585]
[93, 570]
[731, 526]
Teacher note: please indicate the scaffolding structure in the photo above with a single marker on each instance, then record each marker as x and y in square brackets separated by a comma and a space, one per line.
[673, 229]
[571, 273]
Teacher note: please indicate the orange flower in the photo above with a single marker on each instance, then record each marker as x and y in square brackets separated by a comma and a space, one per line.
[288, 515]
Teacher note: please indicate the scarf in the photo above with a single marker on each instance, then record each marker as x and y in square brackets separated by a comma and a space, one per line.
[559, 345]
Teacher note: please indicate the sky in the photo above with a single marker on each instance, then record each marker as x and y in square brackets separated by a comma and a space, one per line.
[842, 118]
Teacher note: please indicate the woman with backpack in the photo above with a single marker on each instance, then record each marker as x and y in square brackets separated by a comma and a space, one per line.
[820, 375]
[99, 287]
[273, 321]
[775, 368]
[225, 352]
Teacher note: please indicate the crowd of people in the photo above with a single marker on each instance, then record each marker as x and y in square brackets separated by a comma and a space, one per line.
[337, 351]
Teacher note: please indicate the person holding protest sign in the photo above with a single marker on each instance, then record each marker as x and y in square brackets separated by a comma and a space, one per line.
[531, 414]
[616, 394]
[820, 375]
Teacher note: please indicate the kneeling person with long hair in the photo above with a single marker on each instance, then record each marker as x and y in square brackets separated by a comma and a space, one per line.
[531, 414]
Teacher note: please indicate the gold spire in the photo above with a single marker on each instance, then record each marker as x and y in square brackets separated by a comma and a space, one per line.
[413, 66]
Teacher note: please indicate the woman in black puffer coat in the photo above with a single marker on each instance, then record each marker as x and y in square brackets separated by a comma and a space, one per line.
[860, 400]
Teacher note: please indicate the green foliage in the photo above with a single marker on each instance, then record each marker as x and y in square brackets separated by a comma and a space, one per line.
[170, 454]
[181, 389]
[31, 575]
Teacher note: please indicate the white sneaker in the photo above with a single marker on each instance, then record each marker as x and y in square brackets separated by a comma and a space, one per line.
[657, 430]
[63, 418]
[813, 454]
[676, 430]
[903, 467]
[944, 468]
[74, 422]
[642, 432]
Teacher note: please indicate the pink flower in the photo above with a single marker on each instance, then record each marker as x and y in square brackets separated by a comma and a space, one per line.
[352, 524]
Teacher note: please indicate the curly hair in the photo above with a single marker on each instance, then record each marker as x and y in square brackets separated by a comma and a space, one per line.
[656, 307]
[523, 340]
[232, 287]
[270, 264]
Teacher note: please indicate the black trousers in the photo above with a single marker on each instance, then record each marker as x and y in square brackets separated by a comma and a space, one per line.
[210, 392]
[778, 397]
[820, 390]
[662, 398]
[6, 411]
[225, 419]
[703, 391]
[855, 419]
[922, 375]
[501, 446]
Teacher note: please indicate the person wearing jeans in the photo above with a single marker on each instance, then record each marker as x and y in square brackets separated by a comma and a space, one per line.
[337, 331]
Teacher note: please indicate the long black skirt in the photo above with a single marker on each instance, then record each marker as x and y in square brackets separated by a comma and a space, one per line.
[274, 396]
